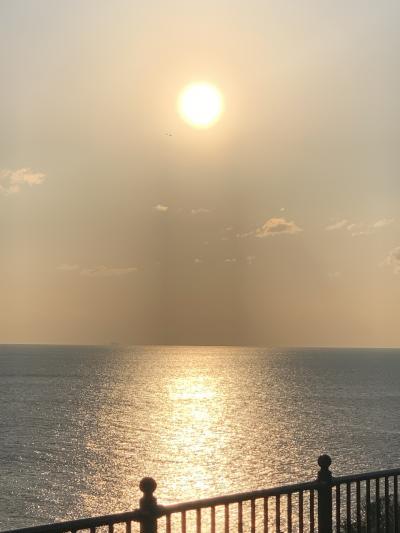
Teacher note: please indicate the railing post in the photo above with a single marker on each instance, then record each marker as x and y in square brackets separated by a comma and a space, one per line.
[148, 506]
[324, 495]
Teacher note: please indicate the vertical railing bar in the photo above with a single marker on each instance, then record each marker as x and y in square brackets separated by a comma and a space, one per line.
[368, 505]
[111, 528]
[183, 522]
[338, 504]
[289, 513]
[301, 512]
[312, 515]
[358, 506]
[128, 527]
[253, 515]
[168, 522]
[240, 517]
[378, 505]
[348, 506]
[226, 518]
[212, 519]
[395, 504]
[387, 501]
[92, 530]
[198, 520]
[277, 513]
[266, 515]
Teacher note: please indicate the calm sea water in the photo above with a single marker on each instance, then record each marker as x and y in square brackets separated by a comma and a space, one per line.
[79, 426]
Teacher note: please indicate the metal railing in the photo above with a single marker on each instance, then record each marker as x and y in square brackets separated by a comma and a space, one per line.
[362, 503]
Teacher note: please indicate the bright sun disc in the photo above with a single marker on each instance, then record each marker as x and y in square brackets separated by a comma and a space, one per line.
[200, 104]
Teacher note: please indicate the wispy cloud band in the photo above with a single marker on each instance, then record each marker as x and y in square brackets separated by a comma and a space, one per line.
[101, 271]
[358, 228]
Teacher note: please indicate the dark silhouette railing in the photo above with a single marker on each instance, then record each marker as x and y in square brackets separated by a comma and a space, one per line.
[362, 503]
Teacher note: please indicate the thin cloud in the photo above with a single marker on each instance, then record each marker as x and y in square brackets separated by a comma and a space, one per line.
[383, 223]
[369, 229]
[358, 229]
[161, 208]
[393, 260]
[250, 259]
[277, 226]
[272, 227]
[199, 211]
[197, 260]
[242, 235]
[337, 225]
[12, 181]
[100, 271]
[230, 260]
[106, 272]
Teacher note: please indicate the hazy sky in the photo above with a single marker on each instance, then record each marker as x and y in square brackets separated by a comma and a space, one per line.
[280, 225]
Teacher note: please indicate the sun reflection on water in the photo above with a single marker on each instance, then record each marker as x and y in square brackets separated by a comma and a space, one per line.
[182, 416]
[192, 388]
[196, 412]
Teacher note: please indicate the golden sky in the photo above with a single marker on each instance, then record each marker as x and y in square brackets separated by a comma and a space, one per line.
[278, 225]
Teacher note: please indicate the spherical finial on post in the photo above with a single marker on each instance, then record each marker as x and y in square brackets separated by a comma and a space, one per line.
[147, 485]
[324, 461]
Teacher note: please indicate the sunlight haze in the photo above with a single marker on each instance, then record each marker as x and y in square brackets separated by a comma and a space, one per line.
[278, 224]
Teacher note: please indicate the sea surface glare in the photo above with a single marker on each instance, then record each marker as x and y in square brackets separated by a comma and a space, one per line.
[80, 426]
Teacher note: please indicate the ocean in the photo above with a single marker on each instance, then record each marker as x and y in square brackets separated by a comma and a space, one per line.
[81, 425]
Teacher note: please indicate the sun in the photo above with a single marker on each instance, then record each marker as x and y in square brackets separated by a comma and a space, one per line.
[200, 104]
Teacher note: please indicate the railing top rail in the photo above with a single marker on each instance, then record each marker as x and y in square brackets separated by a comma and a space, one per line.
[239, 497]
[339, 480]
[149, 507]
[81, 523]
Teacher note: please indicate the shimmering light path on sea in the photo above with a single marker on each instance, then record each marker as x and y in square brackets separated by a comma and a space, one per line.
[80, 426]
